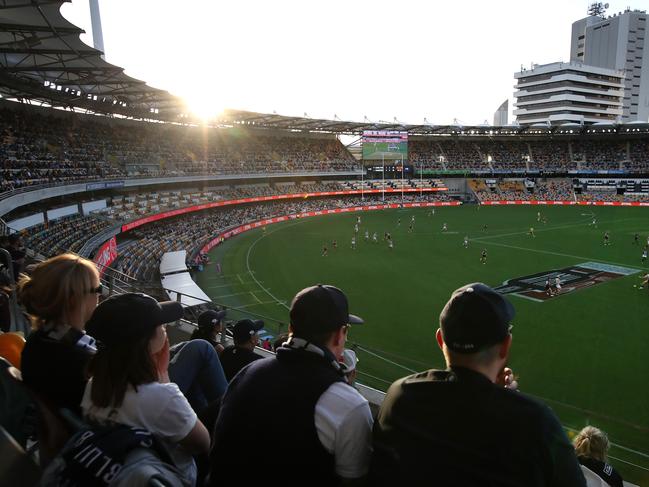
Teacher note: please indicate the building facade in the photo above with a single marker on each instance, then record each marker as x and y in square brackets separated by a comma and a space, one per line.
[568, 92]
[617, 42]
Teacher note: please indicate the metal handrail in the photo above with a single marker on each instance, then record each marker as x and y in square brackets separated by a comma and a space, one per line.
[179, 294]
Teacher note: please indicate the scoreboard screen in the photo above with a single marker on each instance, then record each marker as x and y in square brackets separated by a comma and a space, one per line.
[383, 144]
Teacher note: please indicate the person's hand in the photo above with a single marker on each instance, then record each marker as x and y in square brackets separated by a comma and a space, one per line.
[161, 361]
[507, 379]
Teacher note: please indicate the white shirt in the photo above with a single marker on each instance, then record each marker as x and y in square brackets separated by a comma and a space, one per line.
[343, 421]
[160, 409]
[344, 424]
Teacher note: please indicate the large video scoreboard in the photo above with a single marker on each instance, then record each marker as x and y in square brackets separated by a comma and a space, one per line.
[385, 145]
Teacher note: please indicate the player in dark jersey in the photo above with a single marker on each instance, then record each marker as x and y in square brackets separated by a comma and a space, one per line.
[483, 256]
[325, 251]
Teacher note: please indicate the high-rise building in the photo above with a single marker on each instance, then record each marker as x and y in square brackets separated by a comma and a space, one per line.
[618, 42]
[568, 93]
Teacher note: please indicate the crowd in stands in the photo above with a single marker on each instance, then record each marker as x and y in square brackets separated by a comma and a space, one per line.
[41, 148]
[547, 155]
[67, 234]
[102, 379]
[515, 190]
[45, 148]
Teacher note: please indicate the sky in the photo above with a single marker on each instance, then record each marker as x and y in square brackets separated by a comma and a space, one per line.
[351, 59]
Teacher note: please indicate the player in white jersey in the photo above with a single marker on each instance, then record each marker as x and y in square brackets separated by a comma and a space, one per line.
[557, 285]
[358, 220]
[353, 243]
[390, 244]
[538, 216]
[444, 227]
[367, 235]
[375, 238]
[644, 255]
[412, 219]
[356, 228]
[466, 242]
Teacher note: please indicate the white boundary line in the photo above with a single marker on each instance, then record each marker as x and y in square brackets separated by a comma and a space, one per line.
[278, 301]
[230, 295]
[560, 254]
[255, 296]
[255, 304]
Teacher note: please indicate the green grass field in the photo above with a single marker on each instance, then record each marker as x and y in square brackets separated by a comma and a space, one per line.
[584, 352]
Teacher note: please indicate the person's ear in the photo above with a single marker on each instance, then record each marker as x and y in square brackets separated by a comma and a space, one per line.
[503, 351]
[440, 339]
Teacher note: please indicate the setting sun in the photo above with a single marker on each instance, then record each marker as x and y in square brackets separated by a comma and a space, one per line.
[204, 106]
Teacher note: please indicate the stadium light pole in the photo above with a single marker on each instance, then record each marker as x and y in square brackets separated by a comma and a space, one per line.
[383, 175]
[403, 172]
[362, 180]
[421, 180]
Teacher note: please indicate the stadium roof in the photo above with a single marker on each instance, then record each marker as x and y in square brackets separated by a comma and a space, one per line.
[43, 60]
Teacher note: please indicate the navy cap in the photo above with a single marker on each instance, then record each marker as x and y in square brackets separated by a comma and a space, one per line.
[476, 317]
[244, 329]
[320, 308]
[210, 318]
[124, 317]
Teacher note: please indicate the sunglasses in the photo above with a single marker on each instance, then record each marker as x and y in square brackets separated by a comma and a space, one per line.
[97, 290]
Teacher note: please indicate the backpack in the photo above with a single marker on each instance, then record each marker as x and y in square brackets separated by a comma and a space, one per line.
[115, 456]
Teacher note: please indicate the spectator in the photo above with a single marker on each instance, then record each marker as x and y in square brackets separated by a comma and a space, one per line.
[17, 251]
[130, 382]
[279, 341]
[195, 368]
[348, 364]
[466, 425]
[591, 445]
[237, 356]
[60, 296]
[210, 326]
[321, 426]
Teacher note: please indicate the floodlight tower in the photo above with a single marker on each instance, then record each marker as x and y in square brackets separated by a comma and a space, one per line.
[97, 34]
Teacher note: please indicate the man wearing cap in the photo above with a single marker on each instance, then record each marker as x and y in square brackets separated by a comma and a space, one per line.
[209, 326]
[319, 427]
[237, 356]
[467, 425]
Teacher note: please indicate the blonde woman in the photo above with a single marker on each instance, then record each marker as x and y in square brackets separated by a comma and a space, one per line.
[591, 446]
[59, 296]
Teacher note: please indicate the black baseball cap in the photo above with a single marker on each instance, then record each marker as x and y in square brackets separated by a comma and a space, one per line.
[210, 318]
[319, 309]
[244, 329]
[476, 317]
[129, 316]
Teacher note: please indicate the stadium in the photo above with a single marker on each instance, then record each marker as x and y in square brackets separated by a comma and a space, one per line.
[244, 212]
